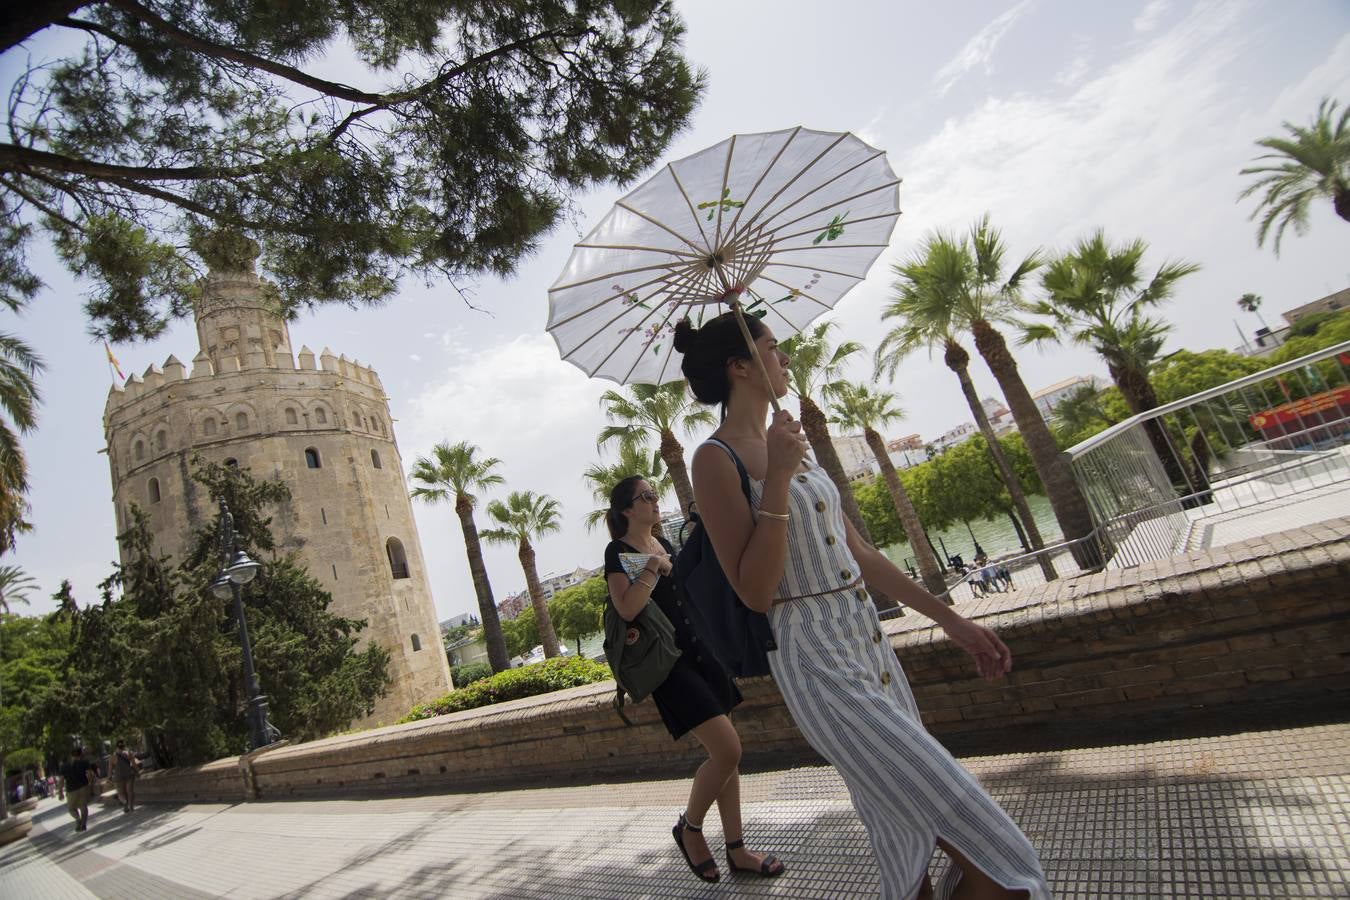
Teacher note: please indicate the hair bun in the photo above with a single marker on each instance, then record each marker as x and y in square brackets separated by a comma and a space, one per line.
[685, 334]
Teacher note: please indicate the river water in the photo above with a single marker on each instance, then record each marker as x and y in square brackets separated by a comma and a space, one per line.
[996, 536]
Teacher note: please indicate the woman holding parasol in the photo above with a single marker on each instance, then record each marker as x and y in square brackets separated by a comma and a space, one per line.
[779, 226]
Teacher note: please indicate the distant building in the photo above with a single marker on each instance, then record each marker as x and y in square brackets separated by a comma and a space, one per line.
[456, 621]
[1329, 303]
[513, 605]
[552, 584]
[855, 456]
[908, 442]
[1047, 399]
[954, 436]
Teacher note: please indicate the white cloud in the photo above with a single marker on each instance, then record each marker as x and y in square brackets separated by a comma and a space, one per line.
[519, 402]
[1127, 151]
[979, 50]
[414, 357]
[868, 133]
[1072, 74]
[1148, 19]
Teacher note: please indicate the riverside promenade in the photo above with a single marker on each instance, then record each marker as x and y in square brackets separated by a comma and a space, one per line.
[1248, 814]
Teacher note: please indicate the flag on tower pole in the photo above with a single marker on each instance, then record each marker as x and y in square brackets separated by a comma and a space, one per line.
[112, 362]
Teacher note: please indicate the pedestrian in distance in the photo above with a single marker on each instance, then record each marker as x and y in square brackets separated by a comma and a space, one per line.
[126, 768]
[698, 693]
[80, 776]
[790, 553]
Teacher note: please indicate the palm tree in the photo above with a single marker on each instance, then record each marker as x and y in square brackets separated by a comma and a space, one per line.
[989, 299]
[15, 585]
[656, 409]
[1097, 297]
[1252, 303]
[632, 461]
[451, 473]
[815, 369]
[925, 303]
[526, 516]
[1314, 163]
[857, 408]
[19, 397]
[1078, 412]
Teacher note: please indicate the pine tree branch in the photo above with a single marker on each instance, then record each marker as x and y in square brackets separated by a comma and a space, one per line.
[190, 41]
[14, 158]
[14, 186]
[23, 20]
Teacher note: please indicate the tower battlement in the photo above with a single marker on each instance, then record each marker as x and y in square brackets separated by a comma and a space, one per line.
[319, 423]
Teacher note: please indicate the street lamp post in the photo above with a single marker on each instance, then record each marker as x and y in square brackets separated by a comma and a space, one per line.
[236, 571]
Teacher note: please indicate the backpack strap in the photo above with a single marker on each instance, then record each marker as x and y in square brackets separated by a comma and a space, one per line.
[618, 706]
[740, 469]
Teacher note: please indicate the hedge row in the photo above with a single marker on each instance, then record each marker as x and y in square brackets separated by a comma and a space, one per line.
[527, 681]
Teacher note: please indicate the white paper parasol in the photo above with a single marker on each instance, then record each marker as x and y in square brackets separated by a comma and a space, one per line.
[794, 218]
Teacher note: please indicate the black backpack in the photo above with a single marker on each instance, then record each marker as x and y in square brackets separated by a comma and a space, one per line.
[738, 636]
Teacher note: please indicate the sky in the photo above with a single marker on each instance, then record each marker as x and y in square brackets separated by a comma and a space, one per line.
[1055, 117]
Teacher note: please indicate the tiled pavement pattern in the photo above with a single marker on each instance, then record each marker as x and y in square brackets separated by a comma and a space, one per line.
[1259, 814]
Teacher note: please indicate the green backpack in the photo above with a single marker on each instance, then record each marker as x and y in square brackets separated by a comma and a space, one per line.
[640, 653]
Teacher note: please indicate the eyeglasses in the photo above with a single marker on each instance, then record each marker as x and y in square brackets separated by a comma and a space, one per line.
[649, 496]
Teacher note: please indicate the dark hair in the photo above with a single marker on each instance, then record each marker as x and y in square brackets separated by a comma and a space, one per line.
[77, 751]
[707, 351]
[620, 498]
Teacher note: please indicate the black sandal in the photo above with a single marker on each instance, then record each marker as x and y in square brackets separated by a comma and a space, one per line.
[766, 867]
[706, 870]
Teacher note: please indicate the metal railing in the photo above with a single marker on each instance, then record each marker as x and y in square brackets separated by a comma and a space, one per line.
[1259, 439]
[1276, 437]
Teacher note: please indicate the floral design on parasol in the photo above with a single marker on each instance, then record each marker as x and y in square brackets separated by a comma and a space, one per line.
[780, 225]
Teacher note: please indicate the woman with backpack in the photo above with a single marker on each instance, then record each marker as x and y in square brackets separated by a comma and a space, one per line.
[790, 553]
[696, 695]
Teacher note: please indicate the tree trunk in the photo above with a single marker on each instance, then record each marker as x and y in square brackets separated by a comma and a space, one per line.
[487, 607]
[1340, 199]
[547, 636]
[26, 19]
[672, 453]
[1071, 509]
[929, 570]
[817, 431]
[1140, 397]
[4, 790]
[958, 360]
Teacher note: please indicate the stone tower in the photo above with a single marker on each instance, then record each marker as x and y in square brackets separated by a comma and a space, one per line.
[324, 429]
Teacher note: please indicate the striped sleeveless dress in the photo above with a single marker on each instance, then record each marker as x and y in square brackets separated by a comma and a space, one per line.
[848, 695]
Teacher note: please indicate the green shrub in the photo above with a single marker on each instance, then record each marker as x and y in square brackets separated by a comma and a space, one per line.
[527, 681]
[467, 674]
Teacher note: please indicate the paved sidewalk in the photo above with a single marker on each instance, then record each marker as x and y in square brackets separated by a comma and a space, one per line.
[1260, 814]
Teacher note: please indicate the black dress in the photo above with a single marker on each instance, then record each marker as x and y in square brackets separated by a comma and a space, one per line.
[697, 688]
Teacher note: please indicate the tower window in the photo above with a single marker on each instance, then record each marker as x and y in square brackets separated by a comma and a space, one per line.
[232, 463]
[162, 439]
[398, 561]
[417, 643]
[320, 416]
[291, 418]
[209, 427]
[312, 458]
[375, 459]
[241, 422]
[154, 490]
[140, 449]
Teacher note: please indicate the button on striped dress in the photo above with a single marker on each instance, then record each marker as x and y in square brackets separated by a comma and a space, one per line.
[849, 696]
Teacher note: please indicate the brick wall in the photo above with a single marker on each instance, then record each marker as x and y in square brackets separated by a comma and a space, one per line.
[1265, 620]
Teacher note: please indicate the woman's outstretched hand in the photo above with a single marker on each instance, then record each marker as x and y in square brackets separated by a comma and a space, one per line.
[992, 657]
[786, 443]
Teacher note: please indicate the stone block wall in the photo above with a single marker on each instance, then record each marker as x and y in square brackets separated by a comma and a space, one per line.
[1259, 621]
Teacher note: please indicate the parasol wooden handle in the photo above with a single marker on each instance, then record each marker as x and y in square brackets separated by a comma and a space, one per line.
[732, 299]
